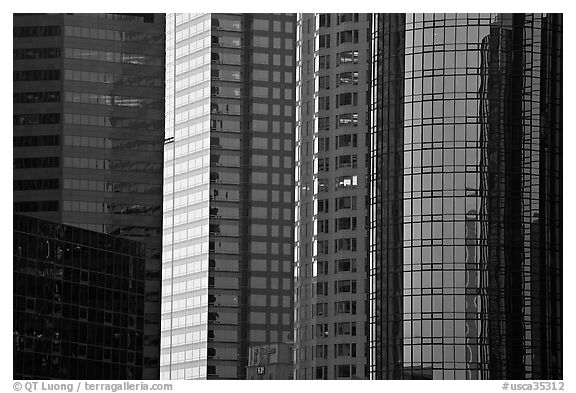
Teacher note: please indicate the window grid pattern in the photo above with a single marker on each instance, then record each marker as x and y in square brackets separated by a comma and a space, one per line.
[53, 108]
[184, 332]
[228, 197]
[78, 303]
[458, 192]
[326, 171]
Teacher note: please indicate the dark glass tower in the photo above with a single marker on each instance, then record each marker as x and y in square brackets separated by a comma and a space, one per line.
[229, 185]
[78, 303]
[466, 210]
[89, 132]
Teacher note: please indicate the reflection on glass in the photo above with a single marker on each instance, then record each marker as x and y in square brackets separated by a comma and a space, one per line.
[472, 172]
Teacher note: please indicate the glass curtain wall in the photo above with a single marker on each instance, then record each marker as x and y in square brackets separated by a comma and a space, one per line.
[465, 197]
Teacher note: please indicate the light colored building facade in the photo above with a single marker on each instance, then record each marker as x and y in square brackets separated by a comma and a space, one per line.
[331, 167]
[228, 198]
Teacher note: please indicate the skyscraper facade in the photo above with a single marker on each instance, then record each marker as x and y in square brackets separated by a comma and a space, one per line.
[332, 137]
[89, 131]
[78, 303]
[228, 201]
[466, 210]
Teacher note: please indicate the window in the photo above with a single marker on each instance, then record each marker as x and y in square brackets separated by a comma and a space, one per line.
[321, 309]
[321, 288]
[347, 36]
[324, 40]
[321, 372]
[324, 62]
[108, 143]
[322, 330]
[343, 370]
[324, 82]
[342, 18]
[345, 223]
[32, 119]
[322, 268]
[112, 35]
[345, 350]
[347, 78]
[226, 75]
[36, 162]
[36, 206]
[347, 161]
[322, 185]
[346, 99]
[257, 108]
[323, 103]
[322, 226]
[114, 57]
[225, 41]
[260, 24]
[323, 144]
[104, 164]
[225, 58]
[345, 286]
[323, 123]
[37, 31]
[112, 121]
[44, 96]
[345, 265]
[346, 181]
[345, 329]
[36, 184]
[261, 42]
[36, 53]
[36, 75]
[321, 351]
[346, 202]
[345, 307]
[346, 244]
[322, 205]
[324, 20]
[347, 140]
[323, 164]
[260, 58]
[347, 119]
[226, 24]
[347, 57]
[116, 100]
[322, 246]
[36, 140]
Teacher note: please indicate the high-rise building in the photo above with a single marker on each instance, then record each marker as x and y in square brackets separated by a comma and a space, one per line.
[331, 245]
[78, 303]
[466, 188]
[89, 133]
[227, 279]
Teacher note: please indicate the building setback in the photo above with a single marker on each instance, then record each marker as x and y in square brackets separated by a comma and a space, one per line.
[78, 303]
[89, 131]
[227, 279]
[331, 245]
[466, 209]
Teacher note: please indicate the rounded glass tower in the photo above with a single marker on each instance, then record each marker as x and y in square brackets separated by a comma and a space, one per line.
[465, 279]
